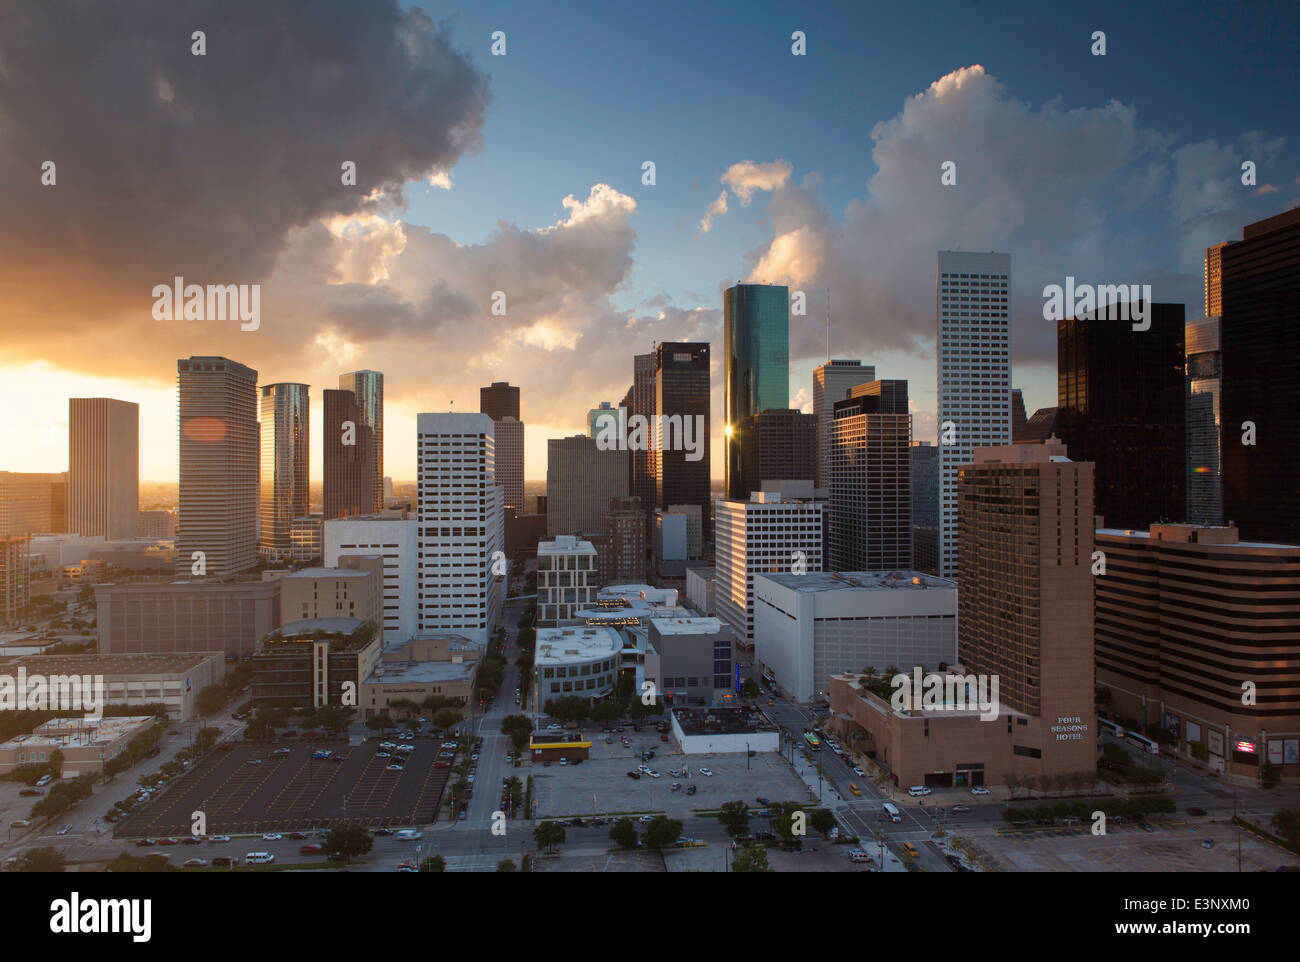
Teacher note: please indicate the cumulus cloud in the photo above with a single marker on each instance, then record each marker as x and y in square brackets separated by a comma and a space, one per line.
[747, 177]
[716, 209]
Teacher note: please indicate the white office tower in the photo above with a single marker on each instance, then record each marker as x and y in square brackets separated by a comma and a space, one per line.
[974, 354]
[777, 529]
[396, 541]
[461, 514]
[831, 383]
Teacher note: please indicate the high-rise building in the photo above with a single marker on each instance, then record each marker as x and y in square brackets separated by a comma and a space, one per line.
[831, 383]
[1260, 392]
[1185, 615]
[779, 444]
[694, 528]
[1204, 481]
[103, 466]
[599, 419]
[33, 503]
[396, 542]
[368, 389]
[974, 374]
[347, 448]
[1024, 597]
[925, 506]
[1214, 280]
[160, 524]
[566, 572]
[461, 511]
[1018, 416]
[680, 440]
[285, 440]
[1121, 398]
[643, 465]
[581, 481]
[15, 571]
[500, 402]
[756, 322]
[776, 529]
[871, 480]
[218, 489]
[623, 560]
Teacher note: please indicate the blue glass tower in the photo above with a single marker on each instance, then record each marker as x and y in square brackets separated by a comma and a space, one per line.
[756, 318]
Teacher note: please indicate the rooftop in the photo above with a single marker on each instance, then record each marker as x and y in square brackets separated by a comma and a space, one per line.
[420, 672]
[557, 646]
[78, 732]
[110, 665]
[721, 721]
[328, 573]
[857, 581]
[565, 544]
[687, 626]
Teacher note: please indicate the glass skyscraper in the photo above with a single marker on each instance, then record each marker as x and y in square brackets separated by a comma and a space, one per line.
[756, 320]
[368, 387]
[284, 438]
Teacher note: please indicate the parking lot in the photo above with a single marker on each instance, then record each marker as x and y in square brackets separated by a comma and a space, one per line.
[251, 788]
[601, 785]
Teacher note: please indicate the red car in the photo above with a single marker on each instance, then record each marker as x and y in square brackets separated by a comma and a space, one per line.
[442, 764]
[169, 841]
[310, 850]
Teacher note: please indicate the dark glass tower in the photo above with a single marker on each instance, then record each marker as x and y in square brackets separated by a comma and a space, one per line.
[348, 471]
[368, 388]
[500, 400]
[756, 321]
[1121, 395]
[781, 445]
[1259, 337]
[682, 392]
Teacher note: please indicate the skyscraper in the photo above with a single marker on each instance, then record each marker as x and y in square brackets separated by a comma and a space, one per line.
[831, 383]
[1121, 397]
[1260, 390]
[680, 440]
[103, 466]
[1025, 595]
[218, 466]
[581, 481]
[974, 348]
[1204, 483]
[348, 473]
[33, 503]
[643, 466]
[870, 479]
[500, 402]
[756, 322]
[284, 440]
[368, 388]
[462, 526]
[780, 444]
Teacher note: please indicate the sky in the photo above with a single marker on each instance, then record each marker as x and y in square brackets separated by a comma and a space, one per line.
[524, 173]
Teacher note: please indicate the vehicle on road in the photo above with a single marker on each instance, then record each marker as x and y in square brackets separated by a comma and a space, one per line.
[646, 818]
[383, 831]
[675, 787]
[194, 863]
[409, 834]
[218, 838]
[65, 830]
[958, 809]
[979, 790]
[1148, 745]
[706, 772]
[272, 837]
[916, 790]
[652, 773]
[1208, 843]
[910, 849]
[891, 810]
[1146, 827]
[310, 850]
[691, 790]
[169, 841]
[191, 840]
[633, 774]
[859, 772]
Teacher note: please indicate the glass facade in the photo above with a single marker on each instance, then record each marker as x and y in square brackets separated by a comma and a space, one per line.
[756, 321]
[368, 388]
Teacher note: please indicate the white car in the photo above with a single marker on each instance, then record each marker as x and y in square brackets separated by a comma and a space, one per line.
[409, 834]
[272, 837]
[470, 779]
[652, 773]
[918, 790]
[554, 728]
[979, 790]
[387, 744]
[859, 772]
[706, 771]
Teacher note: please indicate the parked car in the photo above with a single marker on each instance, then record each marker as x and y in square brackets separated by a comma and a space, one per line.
[297, 835]
[191, 840]
[31, 793]
[195, 862]
[224, 861]
[633, 774]
[916, 790]
[254, 761]
[1208, 843]
[979, 790]
[310, 850]
[706, 771]
[1196, 811]
[857, 770]
[383, 831]
[142, 842]
[218, 838]
[690, 790]
[272, 837]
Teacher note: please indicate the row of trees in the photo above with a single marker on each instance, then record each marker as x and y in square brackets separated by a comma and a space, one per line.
[1060, 782]
[1136, 807]
[734, 817]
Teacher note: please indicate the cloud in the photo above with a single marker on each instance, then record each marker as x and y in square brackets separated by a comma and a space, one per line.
[802, 401]
[716, 209]
[747, 177]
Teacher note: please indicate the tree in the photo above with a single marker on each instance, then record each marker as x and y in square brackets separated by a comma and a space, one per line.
[662, 832]
[519, 728]
[548, 835]
[45, 859]
[623, 833]
[506, 865]
[751, 858]
[211, 699]
[607, 711]
[515, 788]
[734, 817]
[783, 821]
[205, 738]
[750, 688]
[56, 763]
[348, 840]
[335, 718]
[433, 863]
[822, 820]
[379, 723]
[446, 717]
[1286, 823]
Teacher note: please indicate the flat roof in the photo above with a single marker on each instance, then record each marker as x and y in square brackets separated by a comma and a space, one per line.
[110, 664]
[416, 672]
[721, 721]
[699, 625]
[558, 646]
[342, 626]
[328, 573]
[1199, 545]
[78, 732]
[857, 580]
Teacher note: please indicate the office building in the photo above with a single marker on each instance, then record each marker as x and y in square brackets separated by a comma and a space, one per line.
[1214, 279]
[581, 481]
[1043, 426]
[778, 444]
[396, 542]
[1186, 614]
[1122, 394]
[500, 402]
[368, 389]
[642, 462]
[285, 440]
[607, 418]
[810, 627]
[776, 529]
[427, 666]
[15, 577]
[1260, 392]
[575, 661]
[306, 538]
[623, 559]
[974, 348]
[158, 524]
[756, 324]
[699, 590]
[681, 436]
[1204, 479]
[870, 473]
[670, 537]
[689, 661]
[134, 681]
[33, 503]
[566, 579]
[347, 448]
[186, 616]
[925, 506]
[694, 528]
[87, 745]
[218, 492]
[831, 383]
[462, 526]
[1018, 417]
[103, 466]
[311, 593]
[312, 663]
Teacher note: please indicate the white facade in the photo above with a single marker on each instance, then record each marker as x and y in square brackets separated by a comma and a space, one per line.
[974, 351]
[461, 511]
[699, 589]
[778, 529]
[566, 579]
[811, 627]
[397, 542]
[576, 661]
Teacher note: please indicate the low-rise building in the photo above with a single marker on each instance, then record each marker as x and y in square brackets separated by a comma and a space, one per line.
[186, 616]
[312, 663]
[689, 661]
[699, 589]
[334, 593]
[711, 731]
[566, 579]
[87, 744]
[173, 680]
[428, 664]
[580, 661]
